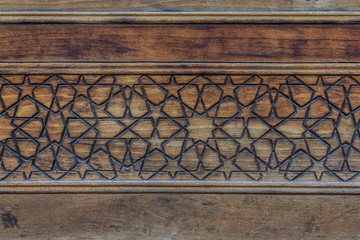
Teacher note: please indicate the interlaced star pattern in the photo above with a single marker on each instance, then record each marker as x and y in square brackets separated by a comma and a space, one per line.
[179, 128]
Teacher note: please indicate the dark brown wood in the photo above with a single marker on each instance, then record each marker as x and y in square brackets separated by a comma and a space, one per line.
[180, 43]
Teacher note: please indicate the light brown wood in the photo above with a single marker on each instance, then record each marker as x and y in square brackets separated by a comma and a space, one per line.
[179, 216]
[57, 17]
[179, 5]
[193, 68]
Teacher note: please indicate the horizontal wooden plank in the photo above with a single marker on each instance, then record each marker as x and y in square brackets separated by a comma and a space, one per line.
[313, 17]
[180, 43]
[180, 133]
[178, 216]
[188, 187]
[179, 68]
[178, 5]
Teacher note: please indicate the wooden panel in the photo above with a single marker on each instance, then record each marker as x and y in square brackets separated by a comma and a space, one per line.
[179, 216]
[205, 120]
[179, 5]
[221, 128]
[180, 43]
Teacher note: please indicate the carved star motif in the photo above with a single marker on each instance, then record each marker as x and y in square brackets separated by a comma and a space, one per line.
[172, 88]
[228, 87]
[320, 89]
[155, 142]
[246, 114]
[245, 141]
[200, 128]
[155, 114]
[228, 168]
[26, 88]
[81, 88]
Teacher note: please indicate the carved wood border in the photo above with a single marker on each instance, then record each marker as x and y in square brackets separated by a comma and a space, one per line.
[178, 68]
[183, 186]
[313, 17]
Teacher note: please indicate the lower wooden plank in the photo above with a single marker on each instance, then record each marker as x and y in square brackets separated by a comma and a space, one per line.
[178, 216]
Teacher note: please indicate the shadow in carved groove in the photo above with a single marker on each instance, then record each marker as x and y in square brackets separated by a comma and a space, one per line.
[135, 128]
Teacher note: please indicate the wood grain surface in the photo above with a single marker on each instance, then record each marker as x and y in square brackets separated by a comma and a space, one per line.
[179, 216]
[237, 128]
[204, 120]
[180, 43]
[179, 5]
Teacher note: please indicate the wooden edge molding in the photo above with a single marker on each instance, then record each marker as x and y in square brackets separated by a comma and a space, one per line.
[179, 68]
[16, 17]
[181, 187]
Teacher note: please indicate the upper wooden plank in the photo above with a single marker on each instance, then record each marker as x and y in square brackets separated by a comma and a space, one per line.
[180, 43]
[179, 5]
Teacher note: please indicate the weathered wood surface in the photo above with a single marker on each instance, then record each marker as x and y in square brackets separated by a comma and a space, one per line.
[179, 5]
[242, 128]
[290, 126]
[179, 216]
[180, 43]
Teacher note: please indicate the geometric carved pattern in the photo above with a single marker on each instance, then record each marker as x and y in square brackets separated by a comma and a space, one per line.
[179, 128]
